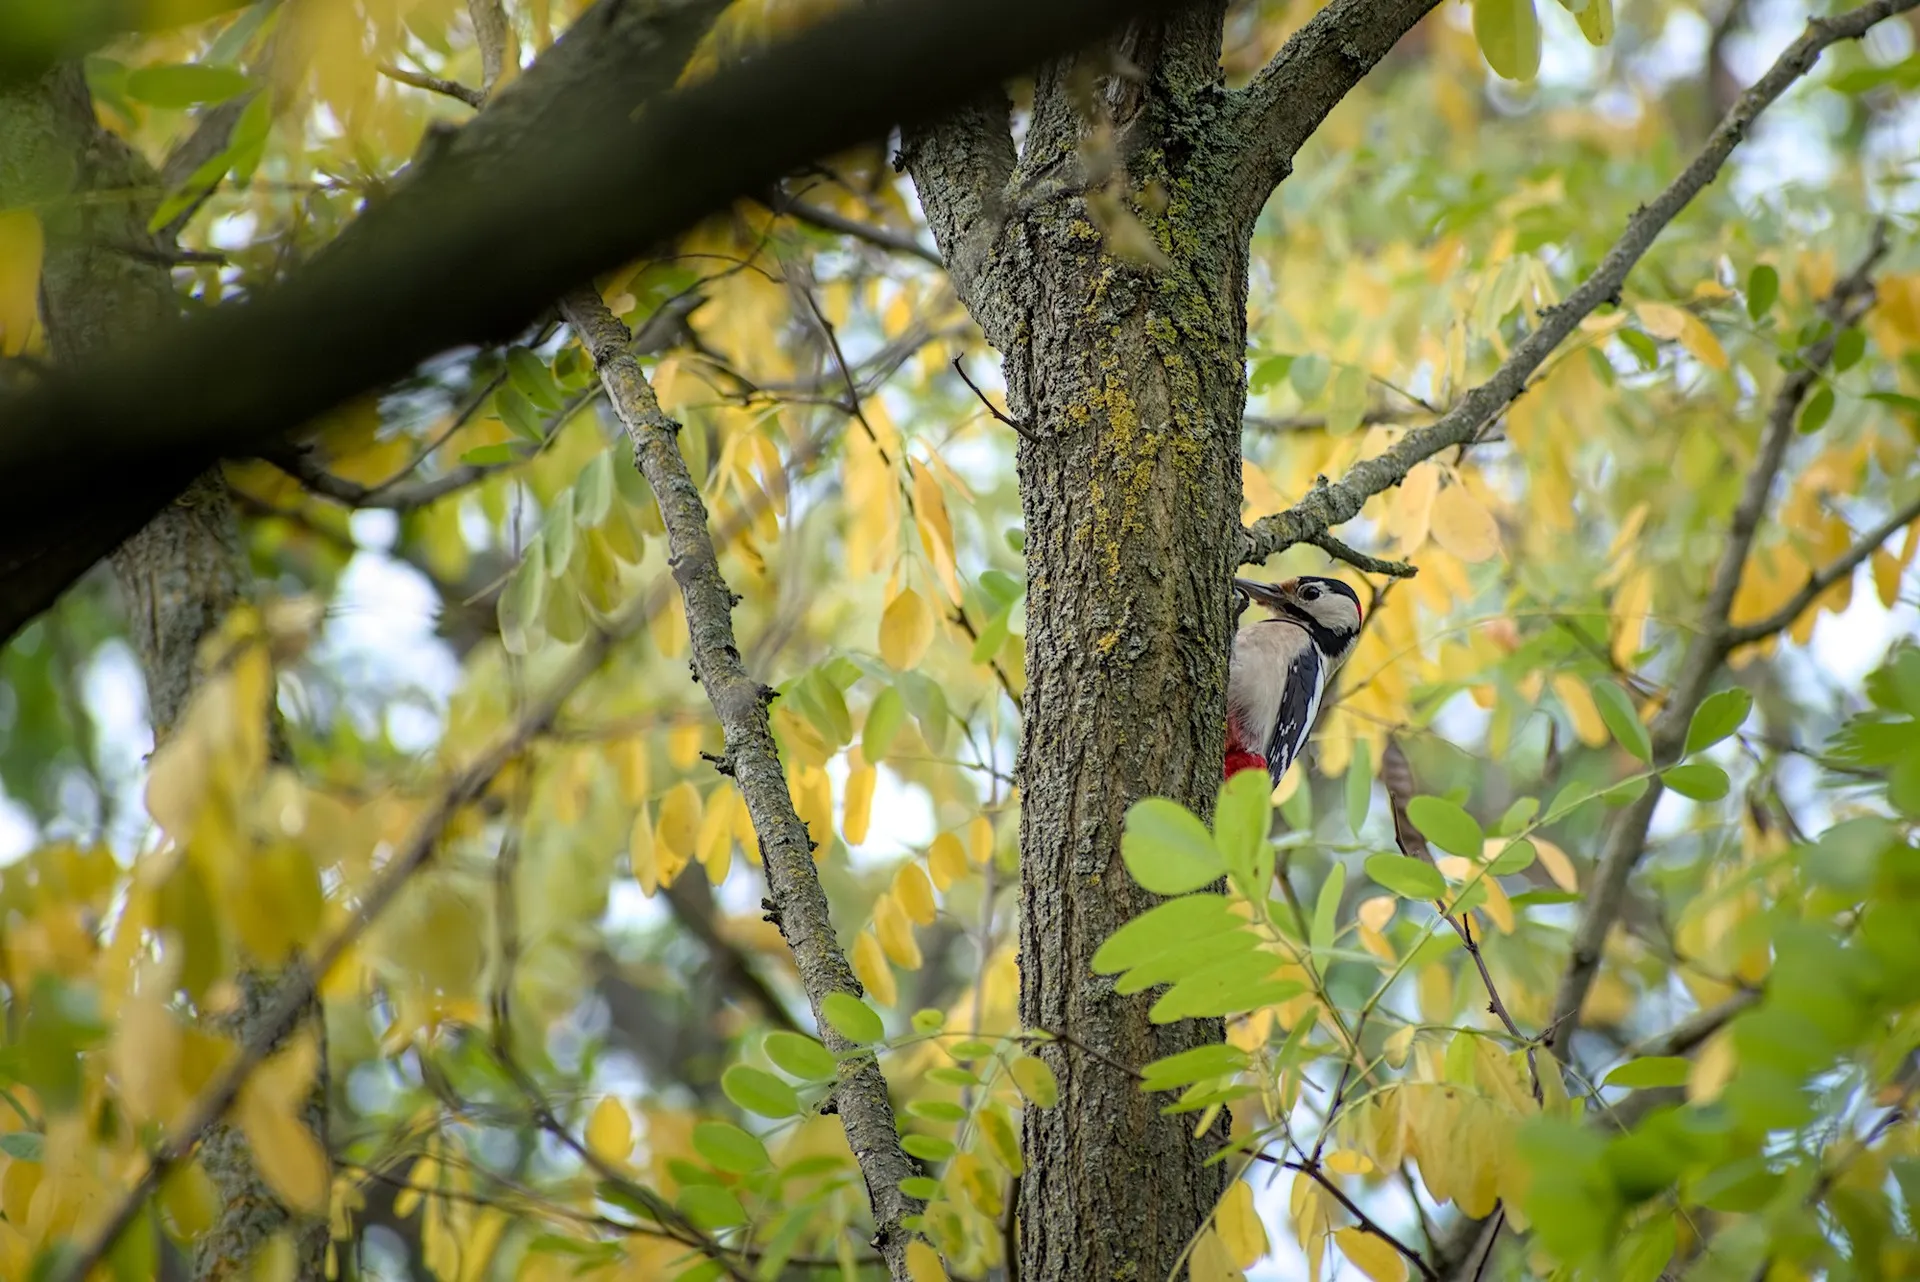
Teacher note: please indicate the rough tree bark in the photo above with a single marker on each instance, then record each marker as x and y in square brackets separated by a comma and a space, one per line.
[103, 281]
[1108, 264]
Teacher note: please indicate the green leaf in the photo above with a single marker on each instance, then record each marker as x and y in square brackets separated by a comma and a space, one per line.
[558, 531]
[531, 376]
[1035, 1081]
[928, 1148]
[1700, 780]
[517, 412]
[1359, 785]
[185, 84]
[1240, 983]
[1163, 928]
[1196, 1065]
[1644, 1256]
[1596, 22]
[711, 1207]
[927, 1020]
[1308, 374]
[852, 1018]
[593, 490]
[1644, 349]
[1626, 792]
[1187, 958]
[1405, 877]
[488, 455]
[1447, 826]
[1719, 715]
[1517, 857]
[759, 1091]
[1848, 349]
[1509, 36]
[1651, 1070]
[1763, 287]
[936, 1110]
[24, 1146]
[728, 1148]
[921, 1187]
[1240, 820]
[800, 1055]
[885, 716]
[1568, 800]
[1325, 910]
[1167, 849]
[1617, 711]
[1268, 372]
[1518, 816]
[1818, 409]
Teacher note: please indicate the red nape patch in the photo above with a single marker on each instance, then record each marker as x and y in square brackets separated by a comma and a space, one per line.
[1239, 759]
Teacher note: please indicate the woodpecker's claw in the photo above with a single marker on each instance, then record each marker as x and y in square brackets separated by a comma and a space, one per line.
[1240, 602]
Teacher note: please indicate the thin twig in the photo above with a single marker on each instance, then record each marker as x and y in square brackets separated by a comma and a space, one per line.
[433, 84]
[1315, 1172]
[1360, 560]
[1014, 423]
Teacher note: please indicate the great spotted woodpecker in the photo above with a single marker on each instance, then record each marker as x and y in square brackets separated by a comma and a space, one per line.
[1282, 666]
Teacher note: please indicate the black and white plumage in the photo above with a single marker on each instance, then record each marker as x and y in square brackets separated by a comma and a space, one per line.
[1283, 665]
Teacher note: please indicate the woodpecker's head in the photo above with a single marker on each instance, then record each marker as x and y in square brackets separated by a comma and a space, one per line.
[1327, 608]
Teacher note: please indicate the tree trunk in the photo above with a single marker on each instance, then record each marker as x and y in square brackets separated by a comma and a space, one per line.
[1129, 372]
[103, 281]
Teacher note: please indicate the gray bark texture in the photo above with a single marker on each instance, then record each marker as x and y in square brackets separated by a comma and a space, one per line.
[103, 282]
[1108, 264]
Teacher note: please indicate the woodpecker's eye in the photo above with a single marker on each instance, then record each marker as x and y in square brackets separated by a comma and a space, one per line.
[1310, 594]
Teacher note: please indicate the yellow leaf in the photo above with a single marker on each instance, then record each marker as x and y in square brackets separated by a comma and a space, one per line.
[1712, 1068]
[641, 851]
[1371, 1255]
[895, 932]
[923, 1263]
[980, 839]
[859, 804]
[22, 246]
[1578, 701]
[683, 741]
[1347, 1161]
[1239, 1227]
[1697, 338]
[936, 531]
[813, 801]
[1463, 527]
[1509, 35]
[715, 842]
[630, 768]
[915, 895]
[1662, 320]
[1210, 1260]
[1886, 577]
[1630, 612]
[947, 860]
[679, 828]
[906, 630]
[1554, 860]
[1413, 507]
[871, 969]
[610, 1131]
[285, 1152]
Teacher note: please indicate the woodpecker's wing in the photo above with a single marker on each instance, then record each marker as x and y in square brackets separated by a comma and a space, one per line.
[1274, 689]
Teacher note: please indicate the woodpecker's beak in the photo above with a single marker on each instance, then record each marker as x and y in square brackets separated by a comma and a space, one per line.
[1270, 595]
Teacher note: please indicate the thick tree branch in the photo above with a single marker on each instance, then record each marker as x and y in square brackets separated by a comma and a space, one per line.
[1627, 840]
[961, 166]
[753, 760]
[564, 145]
[1341, 501]
[1317, 68]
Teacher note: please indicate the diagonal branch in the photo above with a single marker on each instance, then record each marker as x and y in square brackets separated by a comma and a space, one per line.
[1341, 501]
[1822, 579]
[753, 759]
[827, 220]
[1310, 75]
[1627, 840]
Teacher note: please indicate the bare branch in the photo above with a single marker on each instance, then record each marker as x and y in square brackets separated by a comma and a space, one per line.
[1360, 560]
[494, 35]
[1627, 840]
[434, 84]
[1380, 416]
[740, 702]
[827, 220]
[1824, 578]
[1696, 1028]
[1343, 500]
[1317, 68]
